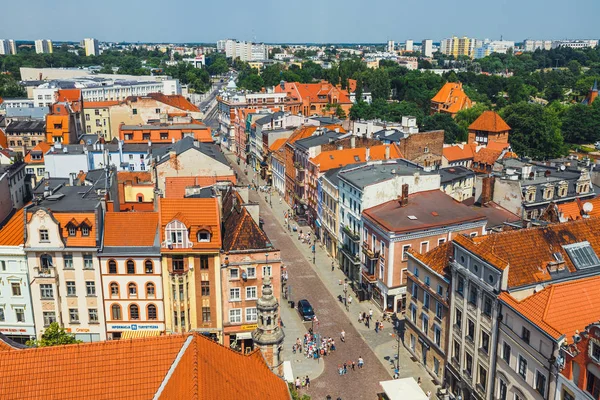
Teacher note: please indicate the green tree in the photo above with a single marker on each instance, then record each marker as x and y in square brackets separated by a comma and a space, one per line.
[452, 132]
[252, 82]
[574, 67]
[379, 83]
[466, 117]
[534, 131]
[581, 123]
[54, 335]
[218, 67]
[9, 87]
[339, 112]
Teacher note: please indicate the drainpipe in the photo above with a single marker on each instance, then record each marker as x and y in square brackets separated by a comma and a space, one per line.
[552, 377]
[494, 355]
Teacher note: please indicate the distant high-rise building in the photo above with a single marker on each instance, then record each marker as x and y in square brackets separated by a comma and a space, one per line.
[495, 46]
[457, 47]
[533, 45]
[427, 48]
[245, 51]
[574, 44]
[7, 47]
[390, 46]
[408, 46]
[91, 47]
[43, 46]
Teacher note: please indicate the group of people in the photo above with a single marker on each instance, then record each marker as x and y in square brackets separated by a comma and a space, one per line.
[366, 318]
[302, 383]
[312, 347]
[351, 365]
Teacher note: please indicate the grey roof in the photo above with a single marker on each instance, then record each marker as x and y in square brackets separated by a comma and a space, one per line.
[332, 176]
[326, 120]
[389, 135]
[204, 193]
[88, 139]
[269, 118]
[451, 174]
[162, 127]
[72, 199]
[31, 112]
[70, 149]
[187, 143]
[131, 251]
[53, 183]
[26, 126]
[317, 140]
[365, 174]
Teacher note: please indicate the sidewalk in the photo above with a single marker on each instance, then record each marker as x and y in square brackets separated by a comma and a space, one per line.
[383, 344]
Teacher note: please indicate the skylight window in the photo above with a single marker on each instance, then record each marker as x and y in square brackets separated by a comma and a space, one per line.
[582, 255]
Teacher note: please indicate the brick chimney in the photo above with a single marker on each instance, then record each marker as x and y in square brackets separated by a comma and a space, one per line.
[387, 151]
[404, 196]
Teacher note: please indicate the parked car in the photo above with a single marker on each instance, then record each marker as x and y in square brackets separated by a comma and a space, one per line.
[305, 310]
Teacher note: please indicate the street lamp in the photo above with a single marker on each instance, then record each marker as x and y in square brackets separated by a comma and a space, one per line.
[314, 252]
[346, 293]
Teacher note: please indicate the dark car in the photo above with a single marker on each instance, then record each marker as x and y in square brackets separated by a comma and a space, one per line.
[306, 310]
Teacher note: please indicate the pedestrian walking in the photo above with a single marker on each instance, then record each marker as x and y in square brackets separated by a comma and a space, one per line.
[345, 368]
[368, 323]
[361, 362]
[360, 317]
[370, 313]
[332, 266]
[377, 326]
[343, 336]
[349, 300]
[307, 381]
[419, 381]
[353, 365]
[428, 394]
[298, 383]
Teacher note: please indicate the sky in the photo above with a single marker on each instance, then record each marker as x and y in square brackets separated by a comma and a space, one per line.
[297, 21]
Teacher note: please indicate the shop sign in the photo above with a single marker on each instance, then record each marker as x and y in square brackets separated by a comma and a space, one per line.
[134, 327]
[249, 327]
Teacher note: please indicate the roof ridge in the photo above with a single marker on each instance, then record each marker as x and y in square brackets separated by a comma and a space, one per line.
[547, 307]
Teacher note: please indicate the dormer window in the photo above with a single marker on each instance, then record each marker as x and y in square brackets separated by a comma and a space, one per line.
[562, 189]
[85, 230]
[582, 188]
[548, 192]
[530, 194]
[177, 234]
[203, 236]
[72, 230]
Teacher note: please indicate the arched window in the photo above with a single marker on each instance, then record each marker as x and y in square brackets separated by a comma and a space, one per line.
[114, 289]
[134, 312]
[150, 289]
[152, 312]
[116, 312]
[203, 236]
[130, 267]
[176, 234]
[148, 266]
[112, 267]
[132, 289]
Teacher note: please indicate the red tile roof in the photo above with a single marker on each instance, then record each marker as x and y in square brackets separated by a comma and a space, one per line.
[136, 177]
[42, 147]
[240, 230]
[436, 259]
[100, 104]
[130, 229]
[453, 97]
[12, 233]
[78, 240]
[196, 214]
[573, 210]
[135, 369]
[527, 252]
[489, 121]
[459, 152]
[175, 186]
[327, 160]
[68, 95]
[496, 146]
[562, 308]
[174, 100]
[276, 145]
[486, 156]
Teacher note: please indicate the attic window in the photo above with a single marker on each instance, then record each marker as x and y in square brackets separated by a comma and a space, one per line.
[85, 230]
[203, 236]
[357, 158]
[582, 255]
[412, 217]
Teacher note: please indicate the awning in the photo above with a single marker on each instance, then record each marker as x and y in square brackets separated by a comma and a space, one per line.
[129, 334]
[400, 389]
[243, 335]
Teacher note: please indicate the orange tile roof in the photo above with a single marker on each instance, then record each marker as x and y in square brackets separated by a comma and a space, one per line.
[174, 100]
[489, 121]
[351, 85]
[453, 96]
[496, 146]
[135, 369]
[78, 240]
[12, 233]
[327, 160]
[456, 152]
[175, 186]
[43, 147]
[527, 252]
[68, 95]
[562, 308]
[130, 229]
[139, 176]
[436, 259]
[276, 145]
[195, 213]
[312, 91]
[100, 104]
[573, 210]
[486, 156]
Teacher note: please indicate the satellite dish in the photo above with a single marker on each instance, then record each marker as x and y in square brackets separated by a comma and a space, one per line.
[538, 288]
[588, 207]
[562, 167]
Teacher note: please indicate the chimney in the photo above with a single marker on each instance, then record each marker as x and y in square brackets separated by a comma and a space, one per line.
[367, 154]
[387, 151]
[353, 141]
[404, 200]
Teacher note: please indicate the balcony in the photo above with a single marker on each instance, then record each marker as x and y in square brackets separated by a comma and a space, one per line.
[299, 166]
[366, 249]
[45, 271]
[368, 277]
[355, 236]
[350, 255]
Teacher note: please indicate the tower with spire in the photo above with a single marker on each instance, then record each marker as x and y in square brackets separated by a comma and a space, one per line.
[268, 336]
[593, 93]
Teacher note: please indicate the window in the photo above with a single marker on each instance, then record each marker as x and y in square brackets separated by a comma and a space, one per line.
[426, 300]
[205, 287]
[567, 396]
[88, 261]
[540, 383]
[235, 315]
[177, 263]
[134, 312]
[251, 314]
[205, 314]
[470, 330]
[487, 306]
[413, 313]
[152, 315]
[506, 353]
[145, 136]
[20, 314]
[203, 262]
[72, 230]
[502, 390]
[90, 288]
[266, 270]
[148, 267]
[251, 272]
[482, 377]
[49, 317]
[438, 309]
[251, 293]
[93, 315]
[485, 342]
[460, 286]
[525, 334]
[203, 236]
[437, 335]
[522, 367]
[164, 136]
[46, 291]
[71, 290]
[16, 288]
[427, 281]
[596, 351]
[157, 111]
[150, 289]
[132, 289]
[415, 291]
[234, 273]
[114, 289]
[473, 294]
[234, 294]
[46, 261]
[441, 241]
[440, 290]
[593, 385]
[469, 364]
[85, 230]
[457, 350]
[3, 265]
[68, 260]
[436, 366]
[73, 315]
[130, 267]
[404, 250]
[416, 272]
[44, 237]
[425, 325]
[582, 255]
[2, 317]
[458, 319]
[134, 111]
[116, 312]
[112, 267]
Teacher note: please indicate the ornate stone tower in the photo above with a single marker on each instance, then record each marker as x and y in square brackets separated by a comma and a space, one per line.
[268, 336]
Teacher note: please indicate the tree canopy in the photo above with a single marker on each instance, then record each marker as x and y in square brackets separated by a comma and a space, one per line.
[54, 335]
